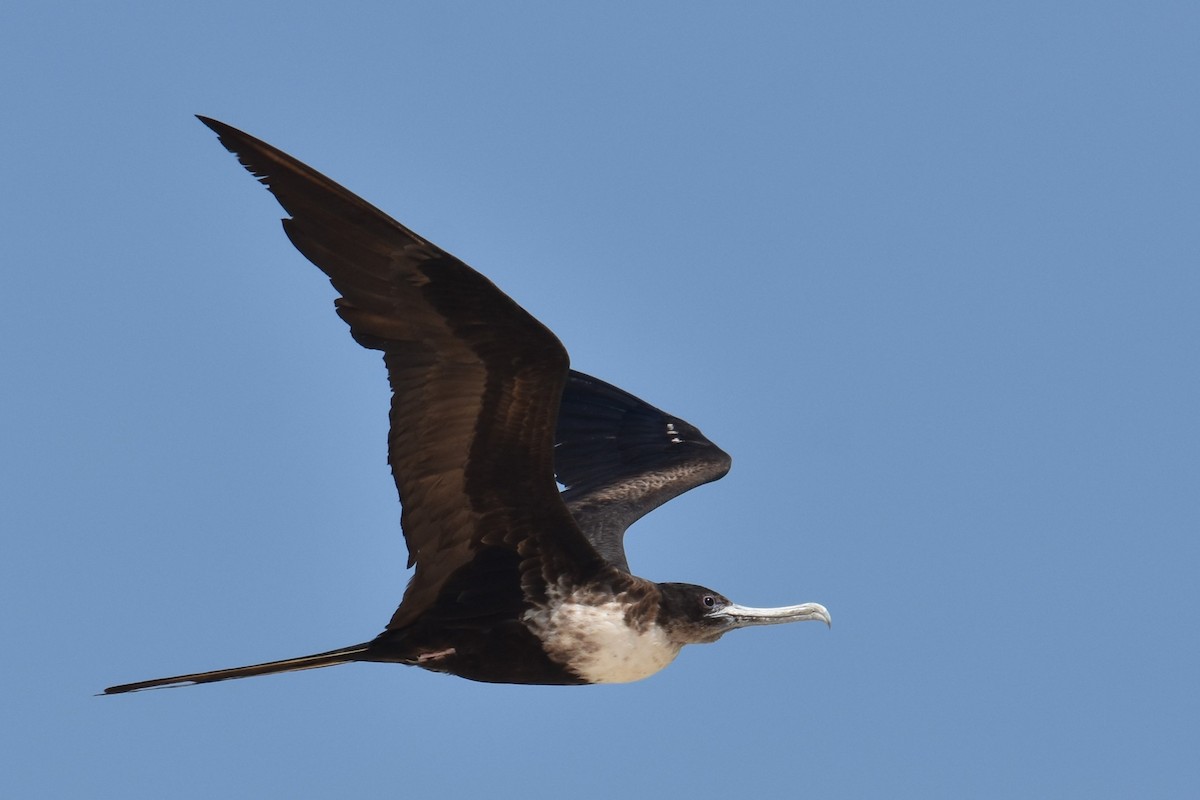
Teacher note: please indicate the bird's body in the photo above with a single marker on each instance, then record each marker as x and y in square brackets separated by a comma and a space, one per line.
[513, 582]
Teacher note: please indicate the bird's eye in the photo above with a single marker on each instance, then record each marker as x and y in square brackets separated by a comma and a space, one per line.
[709, 601]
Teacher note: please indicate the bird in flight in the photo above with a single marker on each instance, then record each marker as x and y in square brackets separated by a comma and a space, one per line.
[514, 580]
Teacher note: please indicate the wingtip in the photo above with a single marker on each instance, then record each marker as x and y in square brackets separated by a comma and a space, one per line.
[221, 129]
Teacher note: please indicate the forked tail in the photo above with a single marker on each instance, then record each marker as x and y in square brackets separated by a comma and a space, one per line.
[326, 659]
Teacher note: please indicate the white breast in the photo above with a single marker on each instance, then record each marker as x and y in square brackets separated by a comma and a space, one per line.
[594, 640]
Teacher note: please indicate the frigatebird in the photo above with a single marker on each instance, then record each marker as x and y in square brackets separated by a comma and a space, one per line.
[514, 581]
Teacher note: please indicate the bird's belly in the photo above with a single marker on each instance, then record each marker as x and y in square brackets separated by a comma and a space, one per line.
[596, 641]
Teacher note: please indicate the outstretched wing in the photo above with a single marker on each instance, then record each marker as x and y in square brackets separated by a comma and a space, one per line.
[620, 458]
[476, 380]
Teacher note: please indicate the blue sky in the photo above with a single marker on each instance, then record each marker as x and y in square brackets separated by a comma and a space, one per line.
[928, 271]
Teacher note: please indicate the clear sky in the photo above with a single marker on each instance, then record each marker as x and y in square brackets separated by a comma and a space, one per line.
[930, 272]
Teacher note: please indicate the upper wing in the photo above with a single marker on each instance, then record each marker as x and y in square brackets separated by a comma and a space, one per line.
[476, 380]
[620, 458]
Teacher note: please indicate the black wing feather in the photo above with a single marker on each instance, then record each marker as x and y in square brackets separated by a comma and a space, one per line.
[620, 458]
[475, 379]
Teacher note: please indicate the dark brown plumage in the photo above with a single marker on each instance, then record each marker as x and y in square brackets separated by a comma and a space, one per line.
[513, 581]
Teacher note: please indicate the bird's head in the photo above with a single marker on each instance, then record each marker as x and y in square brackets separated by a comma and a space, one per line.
[695, 615]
